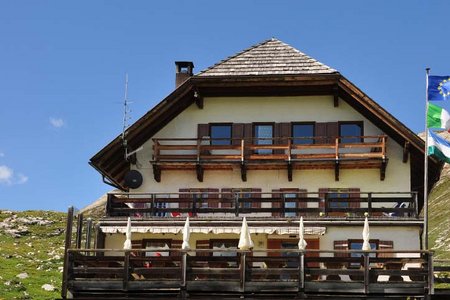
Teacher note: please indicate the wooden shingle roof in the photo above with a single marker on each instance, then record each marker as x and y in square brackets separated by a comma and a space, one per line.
[271, 57]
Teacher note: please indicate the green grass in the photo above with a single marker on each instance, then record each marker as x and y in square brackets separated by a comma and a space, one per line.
[38, 254]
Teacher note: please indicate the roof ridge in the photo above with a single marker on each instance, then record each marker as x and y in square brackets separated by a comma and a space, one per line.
[236, 54]
[269, 57]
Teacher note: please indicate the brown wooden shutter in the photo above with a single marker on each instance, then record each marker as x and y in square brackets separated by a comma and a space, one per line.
[320, 130]
[184, 195]
[322, 194]
[341, 245]
[202, 244]
[355, 196]
[312, 244]
[282, 131]
[257, 194]
[274, 244]
[276, 194]
[248, 136]
[385, 245]
[202, 130]
[176, 244]
[227, 194]
[213, 198]
[332, 131]
[237, 133]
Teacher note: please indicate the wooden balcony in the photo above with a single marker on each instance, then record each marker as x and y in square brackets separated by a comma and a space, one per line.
[178, 273]
[277, 153]
[264, 205]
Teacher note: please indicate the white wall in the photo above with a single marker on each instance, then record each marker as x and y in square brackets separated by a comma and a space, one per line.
[272, 109]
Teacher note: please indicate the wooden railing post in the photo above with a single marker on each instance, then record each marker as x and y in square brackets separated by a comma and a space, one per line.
[325, 205]
[289, 150]
[242, 150]
[79, 231]
[337, 148]
[199, 143]
[416, 205]
[67, 260]
[366, 273]
[369, 203]
[242, 272]
[194, 205]
[301, 272]
[383, 147]
[236, 204]
[283, 205]
[88, 233]
[183, 275]
[153, 205]
[126, 270]
[430, 273]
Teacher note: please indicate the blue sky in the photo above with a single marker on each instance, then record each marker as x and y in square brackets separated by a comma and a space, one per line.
[62, 69]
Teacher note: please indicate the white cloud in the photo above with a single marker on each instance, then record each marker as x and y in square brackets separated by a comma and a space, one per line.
[57, 122]
[7, 176]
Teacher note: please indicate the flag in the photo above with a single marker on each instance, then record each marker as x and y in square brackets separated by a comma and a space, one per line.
[438, 88]
[438, 147]
[437, 117]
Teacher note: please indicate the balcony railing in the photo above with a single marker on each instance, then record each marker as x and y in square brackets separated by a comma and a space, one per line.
[289, 153]
[278, 204]
[290, 149]
[261, 271]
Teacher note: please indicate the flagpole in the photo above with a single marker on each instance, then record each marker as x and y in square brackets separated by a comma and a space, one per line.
[425, 173]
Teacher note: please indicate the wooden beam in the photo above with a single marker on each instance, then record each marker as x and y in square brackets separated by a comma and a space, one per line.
[200, 172]
[383, 169]
[198, 100]
[243, 172]
[336, 170]
[406, 151]
[289, 169]
[157, 173]
[336, 96]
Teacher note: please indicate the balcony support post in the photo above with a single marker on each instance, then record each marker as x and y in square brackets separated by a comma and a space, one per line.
[369, 203]
[242, 274]
[430, 273]
[336, 170]
[406, 152]
[153, 207]
[183, 285]
[289, 170]
[126, 270]
[156, 173]
[243, 172]
[301, 274]
[366, 273]
[199, 170]
[236, 204]
[383, 170]
[416, 204]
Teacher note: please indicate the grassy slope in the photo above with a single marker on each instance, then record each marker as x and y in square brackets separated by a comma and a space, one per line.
[38, 254]
[439, 218]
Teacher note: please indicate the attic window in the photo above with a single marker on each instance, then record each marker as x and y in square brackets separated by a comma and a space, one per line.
[351, 132]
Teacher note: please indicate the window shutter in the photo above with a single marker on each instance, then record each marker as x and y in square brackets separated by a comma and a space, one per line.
[342, 246]
[248, 136]
[320, 130]
[274, 244]
[184, 195]
[385, 245]
[312, 244]
[293, 190]
[202, 244]
[227, 194]
[213, 198]
[276, 194]
[332, 131]
[257, 194]
[176, 244]
[282, 131]
[237, 133]
[202, 130]
[322, 194]
[355, 196]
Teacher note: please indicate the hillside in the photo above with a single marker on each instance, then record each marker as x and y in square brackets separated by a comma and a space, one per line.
[31, 254]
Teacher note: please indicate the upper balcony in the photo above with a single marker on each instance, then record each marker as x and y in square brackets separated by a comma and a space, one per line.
[269, 153]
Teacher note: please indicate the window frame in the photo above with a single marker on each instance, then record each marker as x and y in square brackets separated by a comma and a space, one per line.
[256, 139]
[225, 141]
[339, 191]
[293, 124]
[212, 241]
[166, 241]
[360, 124]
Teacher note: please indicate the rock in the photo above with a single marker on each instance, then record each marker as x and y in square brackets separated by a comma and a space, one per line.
[48, 287]
[22, 275]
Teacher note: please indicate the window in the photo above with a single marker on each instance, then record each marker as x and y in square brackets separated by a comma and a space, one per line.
[302, 130]
[357, 245]
[289, 204]
[336, 195]
[220, 134]
[245, 193]
[351, 132]
[263, 134]
[159, 247]
[224, 244]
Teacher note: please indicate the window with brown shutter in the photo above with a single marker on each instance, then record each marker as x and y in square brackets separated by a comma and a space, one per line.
[288, 193]
[202, 244]
[220, 133]
[338, 195]
[351, 132]
[205, 197]
[244, 193]
[327, 132]
[227, 198]
[282, 132]
[301, 132]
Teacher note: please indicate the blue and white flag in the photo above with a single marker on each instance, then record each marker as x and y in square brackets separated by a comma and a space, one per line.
[438, 147]
[438, 88]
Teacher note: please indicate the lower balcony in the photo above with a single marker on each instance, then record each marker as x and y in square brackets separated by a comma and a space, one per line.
[179, 273]
[401, 205]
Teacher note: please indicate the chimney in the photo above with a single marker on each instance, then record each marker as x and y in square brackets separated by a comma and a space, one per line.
[184, 71]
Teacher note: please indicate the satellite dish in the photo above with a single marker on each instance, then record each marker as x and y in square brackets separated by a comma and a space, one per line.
[133, 179]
